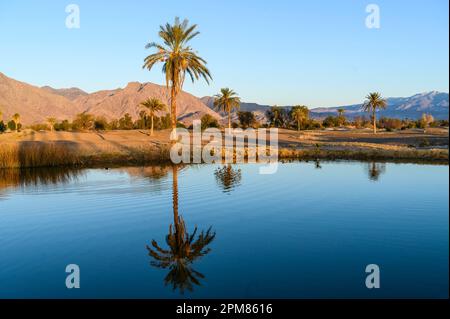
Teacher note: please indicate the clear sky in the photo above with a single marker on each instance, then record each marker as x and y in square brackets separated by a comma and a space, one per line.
[318, 53]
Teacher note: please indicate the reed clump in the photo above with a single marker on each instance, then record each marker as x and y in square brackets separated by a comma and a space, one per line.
[38, 154]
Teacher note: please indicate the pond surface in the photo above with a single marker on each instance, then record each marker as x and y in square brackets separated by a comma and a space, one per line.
[212, 231]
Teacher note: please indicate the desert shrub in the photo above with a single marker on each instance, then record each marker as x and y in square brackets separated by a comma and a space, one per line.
[12, 125]
[100, 123]
[63, 126]
[313, 125]
[39, 127]
[2, 127]
[425, 121]
[330, 121]
[83, 121]
[390, 124]
[208, 120]
[126, 122]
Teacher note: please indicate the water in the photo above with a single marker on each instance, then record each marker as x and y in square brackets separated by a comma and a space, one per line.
[307, 231]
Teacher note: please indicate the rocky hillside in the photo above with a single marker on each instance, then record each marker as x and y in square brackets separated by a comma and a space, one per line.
[36, 104]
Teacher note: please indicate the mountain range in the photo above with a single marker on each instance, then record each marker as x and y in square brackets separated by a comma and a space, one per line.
[434, 103]
[36, 104]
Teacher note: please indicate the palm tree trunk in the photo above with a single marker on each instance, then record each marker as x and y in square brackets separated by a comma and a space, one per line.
[173, 113]
[175, 194]
[298, 126]
[374, 122]
[151, 129]
[229, 119]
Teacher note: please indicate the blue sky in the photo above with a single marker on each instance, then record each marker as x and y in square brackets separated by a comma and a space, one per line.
[318, 53]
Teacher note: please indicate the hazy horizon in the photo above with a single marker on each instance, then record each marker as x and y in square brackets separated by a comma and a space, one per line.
[317, 54]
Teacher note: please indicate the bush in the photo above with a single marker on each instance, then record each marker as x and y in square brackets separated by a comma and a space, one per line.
[100, 123]
[12, 125]
[83, 121]
[63, 126]
[390, 124]
[330, 121]
[2, 127]
[126, 122]
[39, 127]
[209, 121]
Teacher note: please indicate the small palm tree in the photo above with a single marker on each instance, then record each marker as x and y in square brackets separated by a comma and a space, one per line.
[16, 119]
[300, 114]
[227, 100]
[51, 122]
[178, 58]
[374, 102]
[341, 117]
[153, 106]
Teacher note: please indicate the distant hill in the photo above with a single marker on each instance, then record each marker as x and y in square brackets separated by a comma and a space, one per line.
[33, 104]
[434, 103]
[36, 104]
[71, 93]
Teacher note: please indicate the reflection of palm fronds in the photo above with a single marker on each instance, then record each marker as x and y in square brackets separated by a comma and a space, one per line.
[183, 250]
[228, 178]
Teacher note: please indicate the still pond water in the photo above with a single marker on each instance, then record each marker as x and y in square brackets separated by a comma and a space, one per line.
[213, 231]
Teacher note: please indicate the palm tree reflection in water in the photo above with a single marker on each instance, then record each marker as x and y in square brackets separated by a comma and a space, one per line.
[228, 178]
[375, 170]
[183, 249]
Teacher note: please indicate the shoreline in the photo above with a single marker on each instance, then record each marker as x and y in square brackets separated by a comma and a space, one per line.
[131, 148]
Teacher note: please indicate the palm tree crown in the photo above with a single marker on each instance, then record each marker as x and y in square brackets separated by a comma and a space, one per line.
[300, 114]
[178, 58]
[153, 105]
[227, 100]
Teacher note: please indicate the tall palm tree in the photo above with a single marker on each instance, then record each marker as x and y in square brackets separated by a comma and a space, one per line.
[16, 119]
[374, 102]
[300, 114]
[153, 106]
[227, 100]
[183, 249]
[51, 122]
[178, 58]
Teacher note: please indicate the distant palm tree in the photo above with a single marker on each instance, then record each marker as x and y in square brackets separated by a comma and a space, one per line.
[227, 100]
[16, 119]
[374, 102]
[153, 106]
[178, 58]
[51, 122]
[300, 114]
[341, 116]
[184, 249]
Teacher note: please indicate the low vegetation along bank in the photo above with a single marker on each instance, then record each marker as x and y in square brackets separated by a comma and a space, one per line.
[50, 149]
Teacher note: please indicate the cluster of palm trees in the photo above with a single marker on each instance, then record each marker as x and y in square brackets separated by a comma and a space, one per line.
[179, 59]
